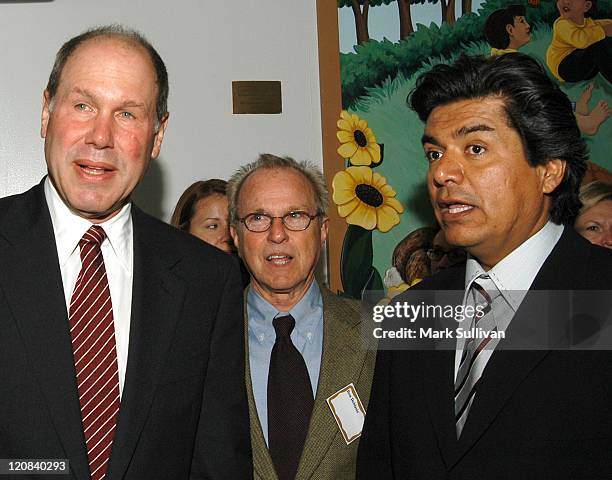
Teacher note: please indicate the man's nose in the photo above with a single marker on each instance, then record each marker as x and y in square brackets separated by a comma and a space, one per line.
[446, 169]
[101, 132]
[277, 232]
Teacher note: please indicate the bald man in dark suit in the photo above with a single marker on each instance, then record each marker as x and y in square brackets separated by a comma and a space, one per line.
[121, 346]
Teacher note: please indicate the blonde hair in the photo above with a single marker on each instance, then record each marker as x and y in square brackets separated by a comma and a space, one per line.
[593, 193]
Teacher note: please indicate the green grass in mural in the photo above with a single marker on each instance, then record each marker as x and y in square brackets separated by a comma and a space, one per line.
[404, 166]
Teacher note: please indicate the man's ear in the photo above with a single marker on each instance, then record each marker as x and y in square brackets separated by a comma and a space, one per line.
[510, 29]
[587, 6]
[159, 136]
[324, 229]
[553, 174]
[44, 116]
[234, 235]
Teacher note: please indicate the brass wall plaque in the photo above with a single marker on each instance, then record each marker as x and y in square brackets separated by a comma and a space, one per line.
[257, 97]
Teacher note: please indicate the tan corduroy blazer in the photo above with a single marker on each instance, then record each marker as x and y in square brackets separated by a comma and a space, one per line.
[346, 360]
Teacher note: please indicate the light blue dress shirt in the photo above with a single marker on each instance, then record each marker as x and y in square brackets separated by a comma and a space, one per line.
[307, 336]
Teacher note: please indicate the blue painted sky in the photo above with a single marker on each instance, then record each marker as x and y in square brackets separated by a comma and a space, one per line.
[383, 21]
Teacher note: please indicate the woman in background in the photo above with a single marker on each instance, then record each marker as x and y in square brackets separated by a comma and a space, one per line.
[203, 211]
[594, 222]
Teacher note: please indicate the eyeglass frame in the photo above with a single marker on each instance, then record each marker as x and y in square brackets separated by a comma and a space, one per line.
[282, 218]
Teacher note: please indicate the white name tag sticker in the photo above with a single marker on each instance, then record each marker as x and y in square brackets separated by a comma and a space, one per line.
[348, 412]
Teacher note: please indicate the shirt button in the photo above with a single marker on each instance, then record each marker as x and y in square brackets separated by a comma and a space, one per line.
[261, 337]
[309, 335]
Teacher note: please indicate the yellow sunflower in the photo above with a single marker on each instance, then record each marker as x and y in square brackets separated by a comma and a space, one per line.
[364, 198]
[357, 139]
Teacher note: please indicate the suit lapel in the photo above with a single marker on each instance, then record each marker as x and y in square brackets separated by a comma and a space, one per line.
[502, 376]
[33, 287]
[438, 380]
[157, 296]
[507, 369]
[342, 362]
[437, 369]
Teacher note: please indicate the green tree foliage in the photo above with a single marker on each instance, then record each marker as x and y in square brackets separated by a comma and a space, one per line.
[375, 61]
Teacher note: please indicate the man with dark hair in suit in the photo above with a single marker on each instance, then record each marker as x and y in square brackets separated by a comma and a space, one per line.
[505, 163]
[121, 346]
[308, 372]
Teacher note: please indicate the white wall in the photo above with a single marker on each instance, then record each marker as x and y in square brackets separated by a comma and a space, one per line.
[206, 44]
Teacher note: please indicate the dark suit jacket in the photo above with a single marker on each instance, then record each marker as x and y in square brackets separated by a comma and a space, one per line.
[326, 455]
[183, 399]
[537, 414]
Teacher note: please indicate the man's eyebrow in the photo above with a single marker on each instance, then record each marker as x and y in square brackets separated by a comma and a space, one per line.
[289, 210]
[133, 104]
[92, 97]
[84, 92]
[463, 131]
[426, 138]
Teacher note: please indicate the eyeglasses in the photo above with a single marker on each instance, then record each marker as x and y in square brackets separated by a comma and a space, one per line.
[261, 222]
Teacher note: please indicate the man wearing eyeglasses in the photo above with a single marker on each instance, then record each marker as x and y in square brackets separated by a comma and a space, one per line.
[304, 347]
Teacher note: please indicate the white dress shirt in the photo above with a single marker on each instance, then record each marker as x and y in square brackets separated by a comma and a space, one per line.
[512, 276]
[117, 251]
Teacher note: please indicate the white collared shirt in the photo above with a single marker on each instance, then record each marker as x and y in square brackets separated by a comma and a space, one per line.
[512, 276]
[117, 251]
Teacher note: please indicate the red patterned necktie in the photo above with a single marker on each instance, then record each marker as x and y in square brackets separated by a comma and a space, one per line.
[95, 355]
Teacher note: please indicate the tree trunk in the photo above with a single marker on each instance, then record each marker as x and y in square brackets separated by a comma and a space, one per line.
[466, 6]
[361, 21]
[450, 13]
[443, 7]
[405, 18]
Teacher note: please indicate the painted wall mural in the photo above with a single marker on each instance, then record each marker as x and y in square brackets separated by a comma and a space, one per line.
[384, 46]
